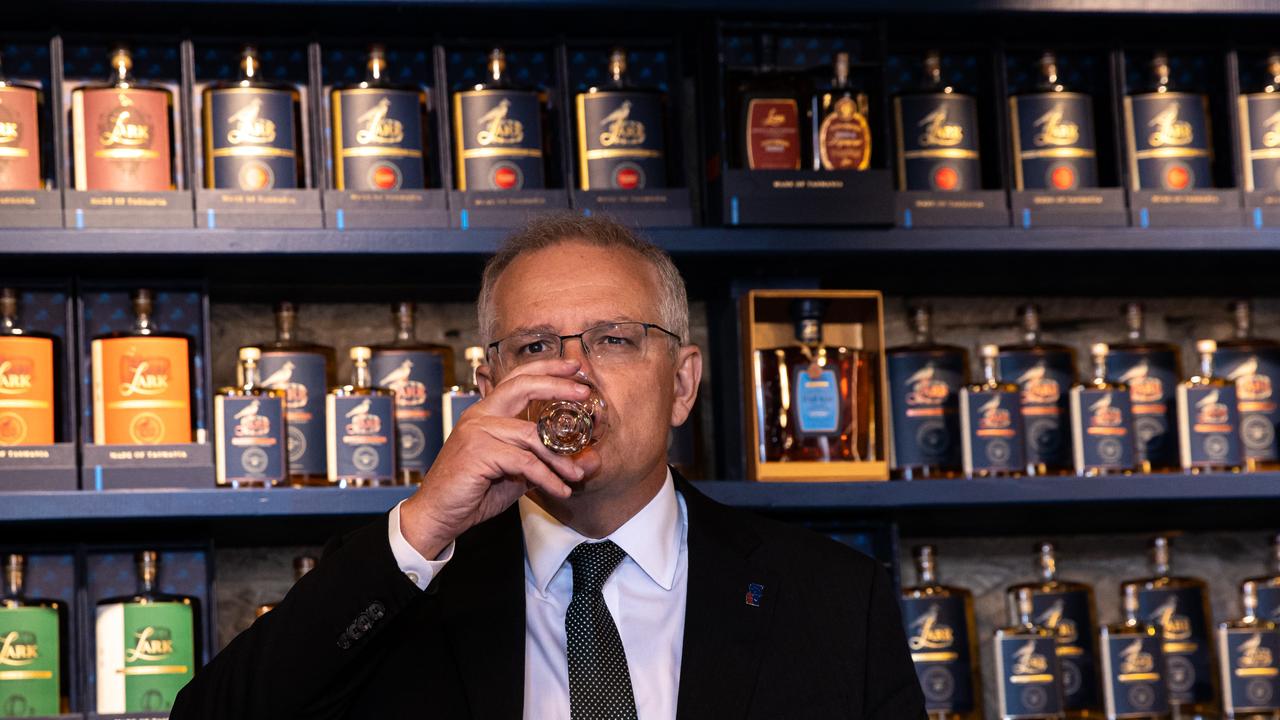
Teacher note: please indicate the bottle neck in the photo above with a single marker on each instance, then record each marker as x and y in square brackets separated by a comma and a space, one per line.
[618, 69]
[1100, 368]
[142, 324]
[932, 78]
[376, 69]
[496, 71]
[404, 324]
[248, 374]
[1160, 74]
[841, 78]
[250, 69]
[1206, 365]
[1048, 566]
[121, 70]
[809, 331]
[1049, 81]
[9, 322]
[990, 376]
[1130, 605]
[148, 576]
[360, 375]
[1243, 314]
[285, 324]
[923, 327]
[1135, 322]
[1273, 69]
[1160, 560]
[926, 571]
[13, 580]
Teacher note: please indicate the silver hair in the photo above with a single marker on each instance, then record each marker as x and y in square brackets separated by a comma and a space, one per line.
[552, 229]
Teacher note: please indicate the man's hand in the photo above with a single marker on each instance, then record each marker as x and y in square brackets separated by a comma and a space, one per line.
[492, 458]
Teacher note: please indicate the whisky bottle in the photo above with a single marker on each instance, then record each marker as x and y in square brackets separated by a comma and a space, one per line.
[1053, 144]
[993, 443]
[1208, 419]
[769, 112]
[418, 373]
[1259, 132]
[498, 132]
[249, 427]
[936, 129]
[148, 644]
[20, 135]
[1133, 665]
[141, 382]
[621, 133]
[1268, 586]
[1028, 672]
[1045, 373]
[1152, 370]
[815, 401]
[302, 565]
[28, 378]
[841, 135]
[1168, 134]
[1249, 659]
[943, 639]
[378, 138]
[1179, 607]
[1102, 422]
[33, 649]
[925, 379]
[1253, 364]
[252, 130]
[361, 429]
[305, 371]
[122, 132]
[1066, 608]
[460, 397]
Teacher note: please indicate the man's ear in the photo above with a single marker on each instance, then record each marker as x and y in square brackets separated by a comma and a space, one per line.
[484, 379]
[688, 377]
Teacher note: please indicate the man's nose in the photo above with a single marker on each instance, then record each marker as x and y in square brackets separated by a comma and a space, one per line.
[576, 348]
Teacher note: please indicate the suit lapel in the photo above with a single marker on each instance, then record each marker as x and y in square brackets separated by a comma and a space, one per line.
[482, 596]
[723, 631]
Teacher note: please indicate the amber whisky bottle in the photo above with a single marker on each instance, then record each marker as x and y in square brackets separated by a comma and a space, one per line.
[1102, 422]
[251, 447]
[498, 131]
[621, 130]
[943, 639]
[29, 374]
[252, 131]
[1249, 659]
[1259, 134]
[1028, 672]
[936, 129]
[379, 142]
[841, 134]
[1052, 126]
[361, 429]
[925, 379]
[1152, 370]
[1253, 364]
[991, 431]
[768, 108]
[1268, 586]
[1133, 665]
[20, 135]
[1168, 134]
[1209, 418]
[460, 397]
[1045, 372]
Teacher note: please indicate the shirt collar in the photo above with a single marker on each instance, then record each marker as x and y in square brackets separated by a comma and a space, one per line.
[651, 538]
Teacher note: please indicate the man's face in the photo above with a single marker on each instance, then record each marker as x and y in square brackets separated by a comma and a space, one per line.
[572, 286]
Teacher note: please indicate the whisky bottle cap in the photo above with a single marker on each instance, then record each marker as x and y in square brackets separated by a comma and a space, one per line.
[250, 354]
[8, 302]
[926, 557]
[1134, 318]
[1129, 601]
[1249, 597]
[148, 568]
[14, 565]
[920, 317]
[1161, 554]
[990, 352]
[121, 57]
[1046, 558]
[1024, 604]
[1099, 349]
[1242, 313]
[360, 352]
[474, 354]
[142, 301]
[403, 312]
[1030, 314]
[617, 63]
[497, 63]
[841, 67]
[1206, 346]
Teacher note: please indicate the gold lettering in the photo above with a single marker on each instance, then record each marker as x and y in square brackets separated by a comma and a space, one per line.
[1173, 626]
[377, 127]
[1133, 660]
[149, 649]
[8, 132]
[13, 383]
[1028, 662]
[498, 129]
[619, 130]
[17, 654]
[1169, 130]
[1053, 131]
[1253, 655]
[1271, 137]
[938, 132]
[143, 383]
[933, 635]
[126, 127]
[249, 127]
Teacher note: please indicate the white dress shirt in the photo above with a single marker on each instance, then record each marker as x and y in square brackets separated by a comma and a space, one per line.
[645, 594]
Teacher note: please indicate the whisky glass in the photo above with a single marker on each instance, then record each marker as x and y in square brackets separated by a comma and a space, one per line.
[567, 427]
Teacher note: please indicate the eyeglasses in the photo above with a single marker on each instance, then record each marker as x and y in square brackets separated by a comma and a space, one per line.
[609, 344]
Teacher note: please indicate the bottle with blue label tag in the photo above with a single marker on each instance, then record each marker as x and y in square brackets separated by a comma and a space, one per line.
[305, 372]
[1152, 371]
[1249, 658]
[1268, 586]
[251, 444]
[1028, 672]
[378, 139]
[925, 379]
[361, 429]
[1260, 131]
[498, 129]
[460, 397]
[1179, 607]
[1209, 419]
[1044, 372]
[1253, 365]
[418, 372]
[943, 639]
[252, 131]
[991, 434]
[1053, 142]
[1133, 665]
[936, 130]
[1067, 608]
[1102, 422]
[1168, 134]
[620, 132]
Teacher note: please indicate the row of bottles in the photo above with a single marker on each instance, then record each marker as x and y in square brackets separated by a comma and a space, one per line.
[1054, 660]
[1135, 412]
[123, 134]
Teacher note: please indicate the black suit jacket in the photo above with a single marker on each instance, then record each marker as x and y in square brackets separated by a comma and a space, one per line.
[355, 639]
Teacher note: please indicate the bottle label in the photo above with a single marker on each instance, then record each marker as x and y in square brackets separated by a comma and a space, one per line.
[924, 394]
[938, 636]
[1269, 603]
[250, 139]
[1250, 673]
[141, 391]
[844, 138]
[146, 654]
[1151, 376]
[122, 139]
[1028, 677]
[1256, 374]
[937, 138]
[620, 141]
[1168, 136]
[499, 138]
[1179, 614]
[250, 435]
[991, 432]
[417, 378]
[1260, 131]
[26, 390]
[30, 670]
[1053, 145]
[1102, 430]
[378, 139]
[1133, 666]
[19, 141]
[817, 402]
[1045, 379]
[456, 403]
[362, 441]
[1209, 426]
[1070, 615]
[302, 377]
[773, 134]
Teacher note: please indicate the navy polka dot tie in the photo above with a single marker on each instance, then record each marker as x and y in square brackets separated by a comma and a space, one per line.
[599, 682]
